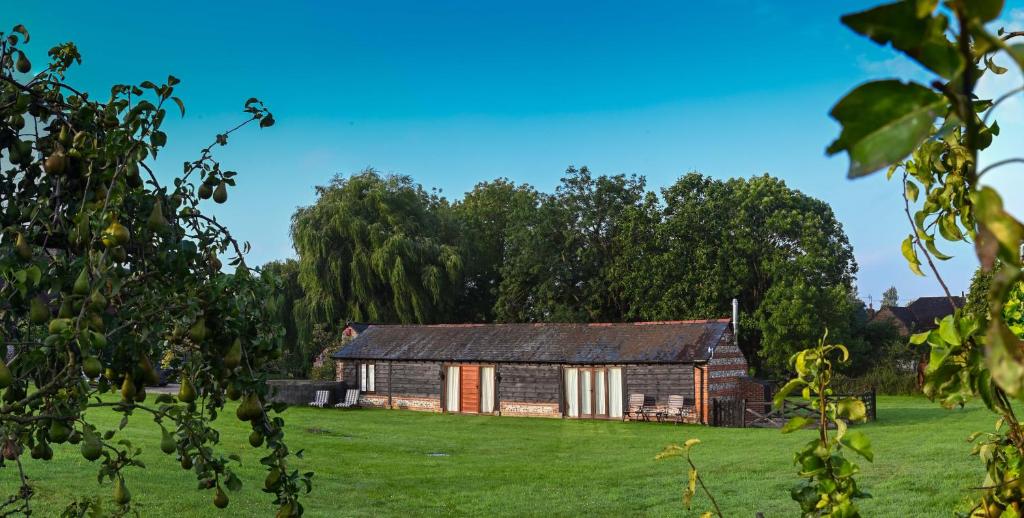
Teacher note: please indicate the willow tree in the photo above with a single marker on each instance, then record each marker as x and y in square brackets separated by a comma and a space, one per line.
[376, 248]
[103, 268]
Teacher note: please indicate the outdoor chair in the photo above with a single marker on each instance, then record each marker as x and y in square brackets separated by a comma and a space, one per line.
[351, 399]
[638, 408]
[678, 409]
[320, 399]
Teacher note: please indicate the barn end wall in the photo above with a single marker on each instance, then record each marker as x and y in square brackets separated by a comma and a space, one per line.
[725, 369]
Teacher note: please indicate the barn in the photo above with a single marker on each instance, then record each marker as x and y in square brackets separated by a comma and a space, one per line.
[579, 371]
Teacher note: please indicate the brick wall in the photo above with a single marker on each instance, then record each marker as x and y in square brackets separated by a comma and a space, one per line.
[726, 367]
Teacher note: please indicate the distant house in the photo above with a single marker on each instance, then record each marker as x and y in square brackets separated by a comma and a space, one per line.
[549, 370]
[919, 315]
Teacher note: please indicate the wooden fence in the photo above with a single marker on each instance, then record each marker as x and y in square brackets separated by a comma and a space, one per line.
[740, 413]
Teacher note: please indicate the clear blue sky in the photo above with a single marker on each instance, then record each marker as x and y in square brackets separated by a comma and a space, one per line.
[454, 93]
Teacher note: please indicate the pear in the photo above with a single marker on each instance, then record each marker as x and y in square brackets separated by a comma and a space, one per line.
[255, 439]
[249, 409]
[156, 221]
[121, 494]
[38, 312]
[91, 446]
[198, 331]
[233, 393]
[22, 247]
[81, 286]
[186, 462]
[140, 394]
[221, 194]
[75, 437]
[272, 478]
[42, 451]
[115, 235]
[23, 64]
[11, 450]
[128, 389]
[92, 367]
[5, 375]
[215, 263]
[220, 499]
[58, 432]
[149, 374]
[59, 325]
[186, 393]
[205, 191]
[66, 310]
[167, 444]
[63, 136]
[234, 356]
[56, 163]
[287, 510]
[97, 301]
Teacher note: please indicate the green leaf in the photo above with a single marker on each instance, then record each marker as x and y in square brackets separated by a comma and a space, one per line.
[852, 409]
[181, 105]
[919, 338]
[930, 245]
[859, 443]
[948, 331]
[998, 224]
[691, 487]
[672, 450]
[921, 37]
[796, 423]
[911, 191]
[910, 254]
[983, 10]
[786, 389]
[883, 121]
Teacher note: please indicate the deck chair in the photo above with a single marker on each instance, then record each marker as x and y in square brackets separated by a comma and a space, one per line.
[320, 399]
[351, 399]
[637, 408]
[678, 409]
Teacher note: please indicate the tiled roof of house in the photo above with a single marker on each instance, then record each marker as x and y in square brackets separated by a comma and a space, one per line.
[643, 342]
[921, 314]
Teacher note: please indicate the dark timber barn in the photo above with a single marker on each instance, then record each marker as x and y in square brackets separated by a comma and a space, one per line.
[548, 370]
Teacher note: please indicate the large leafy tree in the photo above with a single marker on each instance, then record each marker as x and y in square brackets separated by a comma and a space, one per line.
[376, 248]
[285, 307]
[560, 262]
[486, 216]
[782, 253]
[104, 267]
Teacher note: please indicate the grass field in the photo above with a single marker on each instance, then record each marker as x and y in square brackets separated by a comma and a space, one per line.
[379, 462]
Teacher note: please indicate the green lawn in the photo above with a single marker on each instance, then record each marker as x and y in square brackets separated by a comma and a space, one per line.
[378, 462]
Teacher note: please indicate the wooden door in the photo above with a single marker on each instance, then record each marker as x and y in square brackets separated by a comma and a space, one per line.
[470, 388]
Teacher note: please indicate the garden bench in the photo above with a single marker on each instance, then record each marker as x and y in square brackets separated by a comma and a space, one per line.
[678, 408]
[351, 399]
[320, 399]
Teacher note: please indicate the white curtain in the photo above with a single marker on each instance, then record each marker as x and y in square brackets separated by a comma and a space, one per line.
[599, 393]
[452, 389]
[371, 386]
[615, 392]
[586, 393]
[572, 393]
[362, 377]
[487, 389]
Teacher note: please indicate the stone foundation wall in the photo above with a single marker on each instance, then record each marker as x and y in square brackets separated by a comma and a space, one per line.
[521, 409]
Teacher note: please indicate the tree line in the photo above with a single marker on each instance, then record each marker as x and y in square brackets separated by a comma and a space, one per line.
[600, 248]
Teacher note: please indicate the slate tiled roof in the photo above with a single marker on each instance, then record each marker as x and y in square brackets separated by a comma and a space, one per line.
[642, 342]
[920, 315]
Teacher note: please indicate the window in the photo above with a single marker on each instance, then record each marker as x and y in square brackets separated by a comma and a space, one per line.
[366, 378]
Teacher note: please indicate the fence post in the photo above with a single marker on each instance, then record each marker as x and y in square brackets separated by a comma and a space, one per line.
[874, 405]
[743, 413]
